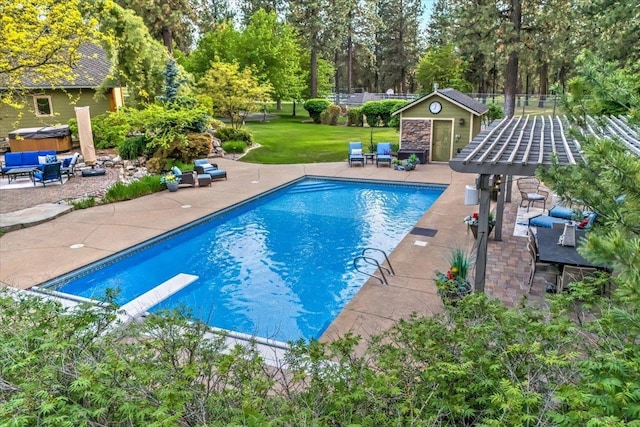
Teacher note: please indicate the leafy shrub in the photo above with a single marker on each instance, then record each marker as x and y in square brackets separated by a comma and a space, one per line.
[120, 191]
[228, 133]
[315, 107]
[333, 111]
[495, 112]
[354, 117]
[111, 129]
[133, 147]
[73, 126]
[238, 147]
[324, 117]
[381, 110]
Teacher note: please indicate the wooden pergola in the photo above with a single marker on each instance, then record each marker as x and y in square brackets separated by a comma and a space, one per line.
[517, 146]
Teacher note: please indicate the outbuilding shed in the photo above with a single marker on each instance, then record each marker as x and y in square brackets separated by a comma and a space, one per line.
[439, 125]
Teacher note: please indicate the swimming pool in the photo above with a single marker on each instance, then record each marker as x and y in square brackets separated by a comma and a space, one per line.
[279, 266]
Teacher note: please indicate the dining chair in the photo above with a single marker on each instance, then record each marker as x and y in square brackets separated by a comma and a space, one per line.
[531, 236]
[533, 262]
[571, 274]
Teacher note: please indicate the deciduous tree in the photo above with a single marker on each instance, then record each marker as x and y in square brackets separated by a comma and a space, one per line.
[40, 42]
[138, 59]
[271, 49]
[442, 66]
[234, 93]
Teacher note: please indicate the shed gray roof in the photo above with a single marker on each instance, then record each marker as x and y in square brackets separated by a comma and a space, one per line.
[457, 97]
[90, 71]
[518, 145]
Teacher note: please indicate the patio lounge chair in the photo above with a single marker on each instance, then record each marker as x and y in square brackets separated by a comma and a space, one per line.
[529, 188]
[383, 154]
[50, 172]
[69, 165]
[203, 166]
[186, 178]
[355, 153]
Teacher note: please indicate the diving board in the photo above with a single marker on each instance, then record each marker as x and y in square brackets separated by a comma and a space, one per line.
[140, 305]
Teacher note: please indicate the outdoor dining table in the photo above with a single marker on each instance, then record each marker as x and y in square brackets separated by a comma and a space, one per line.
[549, 251]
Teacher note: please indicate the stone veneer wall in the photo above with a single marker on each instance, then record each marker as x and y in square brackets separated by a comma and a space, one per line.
[416, 134]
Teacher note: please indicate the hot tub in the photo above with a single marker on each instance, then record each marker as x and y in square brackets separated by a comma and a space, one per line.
[56, 138]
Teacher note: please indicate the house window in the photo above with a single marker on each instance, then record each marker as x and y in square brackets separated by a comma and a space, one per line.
[43, 105]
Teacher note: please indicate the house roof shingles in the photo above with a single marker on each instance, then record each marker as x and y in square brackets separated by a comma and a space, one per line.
[90, 71]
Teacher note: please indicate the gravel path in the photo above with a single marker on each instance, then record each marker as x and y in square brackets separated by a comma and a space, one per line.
[12, 200]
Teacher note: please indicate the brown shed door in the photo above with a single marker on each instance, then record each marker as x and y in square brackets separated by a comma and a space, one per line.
[441, 141]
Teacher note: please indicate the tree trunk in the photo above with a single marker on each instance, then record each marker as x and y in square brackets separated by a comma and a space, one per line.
[511, 72]
[349, 64]
[167, 39]
[278, 105]
[543, 76]
[314, 68]
[336, 77]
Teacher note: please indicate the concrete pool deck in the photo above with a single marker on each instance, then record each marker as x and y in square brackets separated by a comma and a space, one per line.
[33, 255]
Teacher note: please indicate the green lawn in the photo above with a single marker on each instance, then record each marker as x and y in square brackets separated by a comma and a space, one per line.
[289, 140]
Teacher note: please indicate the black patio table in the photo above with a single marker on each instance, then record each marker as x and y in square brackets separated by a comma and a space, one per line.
[16, 172]
[549, 251]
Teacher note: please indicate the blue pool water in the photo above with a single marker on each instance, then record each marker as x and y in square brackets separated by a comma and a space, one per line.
[278, 267]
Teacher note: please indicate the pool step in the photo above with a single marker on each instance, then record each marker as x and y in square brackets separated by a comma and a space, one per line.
[308, 187]
[144, 302]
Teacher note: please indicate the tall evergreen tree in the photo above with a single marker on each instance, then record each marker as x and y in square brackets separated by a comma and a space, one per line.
[397, 43]
[309, 17]
[249, 7]
[167, 20]
[211, 13]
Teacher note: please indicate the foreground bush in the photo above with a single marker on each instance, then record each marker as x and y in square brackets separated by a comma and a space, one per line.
[479, 364]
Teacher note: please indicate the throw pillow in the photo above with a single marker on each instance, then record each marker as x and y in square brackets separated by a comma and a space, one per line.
[584, 222]
[176, 171]
[356, 152]
[42, 160]
[51, 158]
[66, 162]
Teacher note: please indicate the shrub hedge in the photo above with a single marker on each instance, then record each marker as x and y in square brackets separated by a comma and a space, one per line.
[315, 107]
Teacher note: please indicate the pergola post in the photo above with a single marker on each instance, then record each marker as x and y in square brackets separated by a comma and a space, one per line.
[483, 230]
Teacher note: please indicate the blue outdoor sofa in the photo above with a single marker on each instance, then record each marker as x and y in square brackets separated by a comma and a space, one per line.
[28, 159]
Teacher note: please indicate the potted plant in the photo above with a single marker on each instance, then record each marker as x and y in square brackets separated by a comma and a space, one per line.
[454, 284]
[411, 162]
[397, 164]
[472, 223]
[171, 181]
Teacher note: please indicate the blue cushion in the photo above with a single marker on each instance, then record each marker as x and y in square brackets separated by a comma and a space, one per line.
[66, 162]
[546, 221]
[30, 158]
[14, 160]
[176, 171]
[566, 213]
